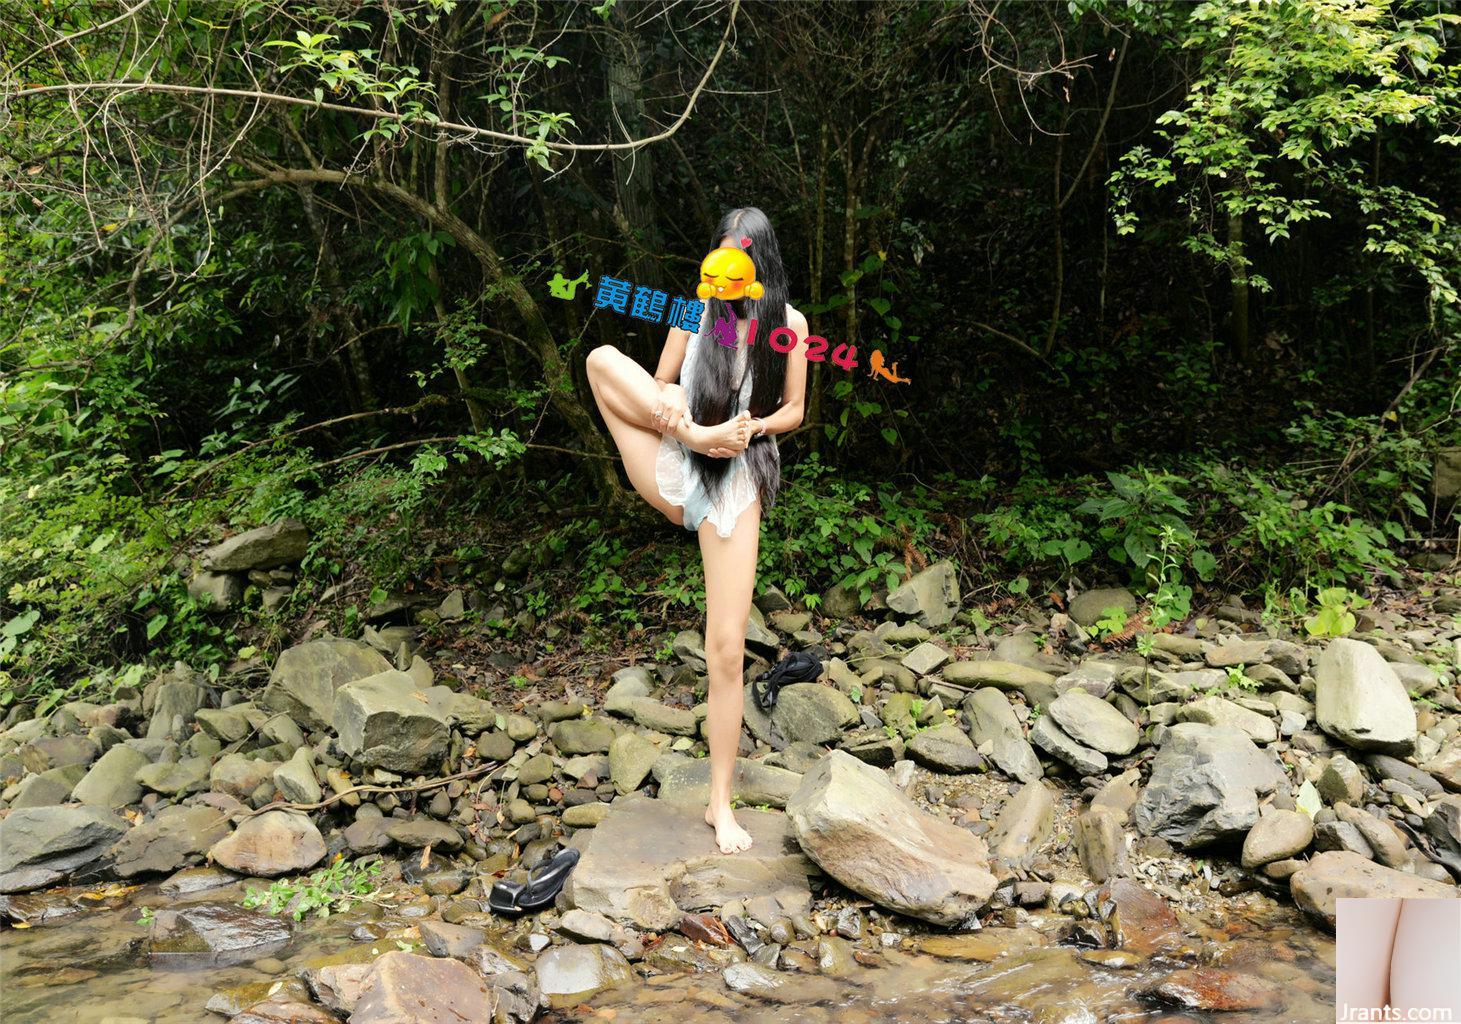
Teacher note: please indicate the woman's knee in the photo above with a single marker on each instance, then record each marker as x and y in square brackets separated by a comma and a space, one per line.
[725, 651]
[600, 359]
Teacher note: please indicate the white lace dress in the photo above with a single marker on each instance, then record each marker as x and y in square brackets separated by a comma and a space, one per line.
[673, 473]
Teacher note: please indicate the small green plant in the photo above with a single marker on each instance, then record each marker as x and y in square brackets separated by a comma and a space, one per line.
[1036, 712]
[333, 889]
[1112, 621]
[854, 693]
[1240, 680]
[1146, 645]
[146, 916]
[1335, 616]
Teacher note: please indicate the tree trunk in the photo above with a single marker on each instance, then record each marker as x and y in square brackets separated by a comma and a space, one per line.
[1241, 342]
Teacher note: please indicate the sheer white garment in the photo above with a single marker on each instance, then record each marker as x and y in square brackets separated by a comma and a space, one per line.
[673, 473]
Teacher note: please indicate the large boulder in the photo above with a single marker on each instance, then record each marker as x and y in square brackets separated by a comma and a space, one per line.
[406, 988]
[945, 748]
[270, 844]
[930, 598]
[1340, 874]
[1090, 607]
[812, 713]
[864, 832]
[40, 846]
[1360, 701]
[381, 722]
[992, 722]
[650, 861]
[1024, 823]
[174, 838]
[305, 678]
[1204, 786]
[1089, 720]
[268, 547]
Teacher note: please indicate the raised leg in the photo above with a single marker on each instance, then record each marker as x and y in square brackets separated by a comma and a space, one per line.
[625, 394]
[730, 579]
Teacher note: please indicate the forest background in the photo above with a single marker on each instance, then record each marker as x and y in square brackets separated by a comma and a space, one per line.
[1176, 286]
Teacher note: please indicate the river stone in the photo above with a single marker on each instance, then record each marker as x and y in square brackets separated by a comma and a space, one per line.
[271, 844]
[113, 779]
[651, 714]
[1050, 738]
[279, 1008]
[1339, 875]
[48, 788]
[1140, 921]
[219, 591]
[925, 659]
[214, 934]
[1212, 988]
[1150, 686]
[1100, 842]
[1383, 838]
[268, 547]
[239, 775]
[40, 846]
[1204, 786]
[405, 988]
[1090, 607]
[173, 778]
[686, 780]
[992, 720]
[1444, 829]
[177, 696]
[381, 723]
[1387, 767]
[1277, 835]
[173, 838]
[1024, 822]
[571, 974]
[1005, 675]
[631, 756]
[582, 735]
[1341, 781]
[864, 832]
[945, 748]
[759, 982]
[420, 832]
[649, 861]
[983, 946]
[305, 678]
[1217, 711]
[930, 598]
[295, 779]
[1236, 652]
[812, 713]
[1091, 721]
[1446, 765]
[1360, 701]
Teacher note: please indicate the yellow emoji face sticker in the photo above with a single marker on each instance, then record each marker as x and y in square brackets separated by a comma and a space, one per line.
[728, 273]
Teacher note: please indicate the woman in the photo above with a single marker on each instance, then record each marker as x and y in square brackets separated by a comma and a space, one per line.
[697, 443]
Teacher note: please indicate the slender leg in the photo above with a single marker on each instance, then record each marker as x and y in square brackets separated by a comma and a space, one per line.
[1366, 934]
[1426, 960]
[625, 394]
[730, 579]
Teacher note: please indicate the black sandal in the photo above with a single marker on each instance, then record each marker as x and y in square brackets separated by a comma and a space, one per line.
[544, 884]
[799, 667]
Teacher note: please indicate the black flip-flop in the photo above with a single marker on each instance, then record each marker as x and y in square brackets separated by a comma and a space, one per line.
[798, 667]
[544, 884]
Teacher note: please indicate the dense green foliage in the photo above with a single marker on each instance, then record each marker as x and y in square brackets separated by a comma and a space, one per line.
[1176, 286]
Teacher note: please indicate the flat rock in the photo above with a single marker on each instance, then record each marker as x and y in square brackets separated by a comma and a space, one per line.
[40, 846]
[1024, 823]
[1217, 711]
[759, 982]
[268, 547]
[1089, 607]
[112, 780]
[945, 748]
[1094, 723]
[864, 832]
[631, 757]
[173, 838]
[1212, 988]
[1141, 921]
[1360, 701]
[649, 861]
[571, 974]
[686, 780]
[1054, 740]
[405, 988]
[214, 935]
[1004, 675]
[270, 844]
[1339, 875]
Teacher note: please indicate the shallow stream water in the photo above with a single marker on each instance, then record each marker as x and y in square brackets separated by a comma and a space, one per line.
[90, 964]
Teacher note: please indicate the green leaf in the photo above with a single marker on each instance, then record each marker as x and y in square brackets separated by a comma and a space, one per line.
[155, 625]
[1308, 799]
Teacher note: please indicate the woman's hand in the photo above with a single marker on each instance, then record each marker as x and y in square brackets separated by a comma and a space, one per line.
[670, 408]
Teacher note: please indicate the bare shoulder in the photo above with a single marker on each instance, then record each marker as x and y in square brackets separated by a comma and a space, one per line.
[795, 320]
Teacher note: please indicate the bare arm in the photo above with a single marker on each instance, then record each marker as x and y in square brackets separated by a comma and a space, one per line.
[794, 395]
[672, 357]
[671, 407]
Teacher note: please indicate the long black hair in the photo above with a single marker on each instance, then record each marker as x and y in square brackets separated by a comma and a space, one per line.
[715, 393]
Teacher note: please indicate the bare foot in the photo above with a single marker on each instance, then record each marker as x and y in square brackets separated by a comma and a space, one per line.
[734, 434]
[729, 835]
